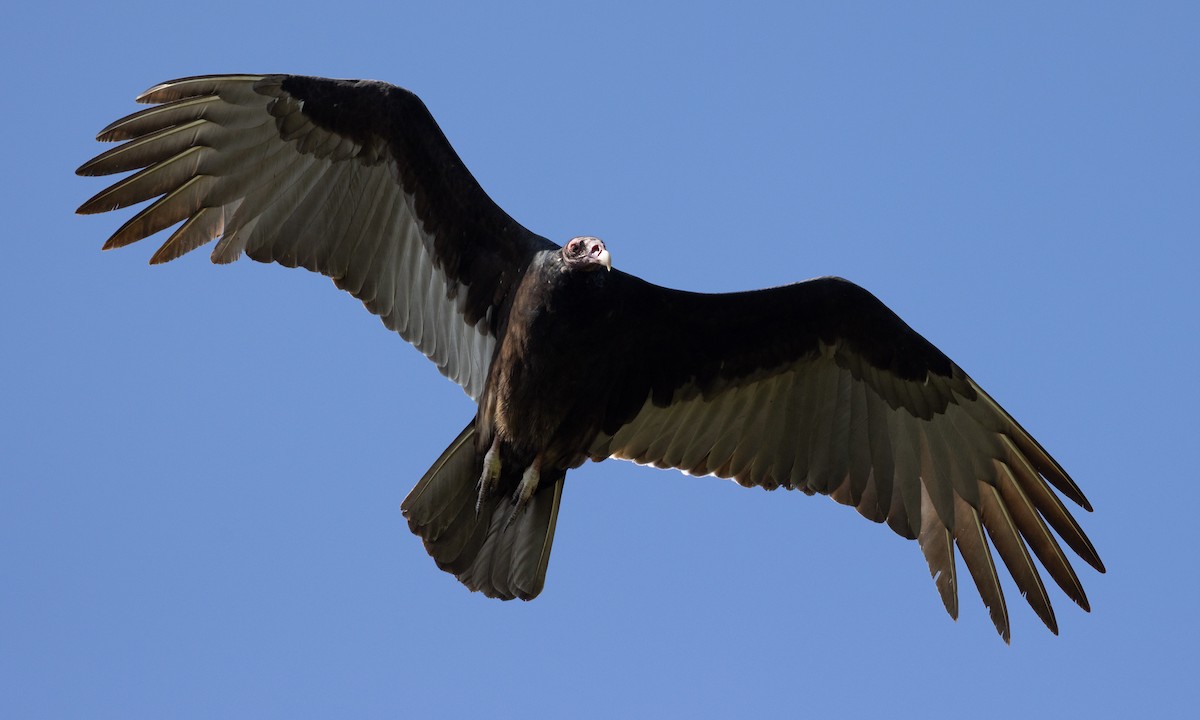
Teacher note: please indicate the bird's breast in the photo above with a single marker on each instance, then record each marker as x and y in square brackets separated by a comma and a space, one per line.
[545, 392]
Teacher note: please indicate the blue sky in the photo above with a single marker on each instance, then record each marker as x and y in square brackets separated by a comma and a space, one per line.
[203, 466]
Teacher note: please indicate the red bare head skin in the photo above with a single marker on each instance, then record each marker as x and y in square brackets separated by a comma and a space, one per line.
[586, 253]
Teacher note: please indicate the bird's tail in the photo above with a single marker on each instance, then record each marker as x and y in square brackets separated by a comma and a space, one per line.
[481, 548]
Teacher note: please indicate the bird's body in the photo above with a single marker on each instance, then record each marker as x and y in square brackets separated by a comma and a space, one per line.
[558, 323]
[815, 386]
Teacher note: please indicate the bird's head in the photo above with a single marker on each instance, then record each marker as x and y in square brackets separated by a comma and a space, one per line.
[586, 253]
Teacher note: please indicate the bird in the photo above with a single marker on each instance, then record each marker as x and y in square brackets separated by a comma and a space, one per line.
[816, 386]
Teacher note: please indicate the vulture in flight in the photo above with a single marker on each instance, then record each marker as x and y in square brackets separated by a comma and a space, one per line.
[815, 386]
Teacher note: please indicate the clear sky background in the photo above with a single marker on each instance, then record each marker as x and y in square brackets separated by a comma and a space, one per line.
[202, 466]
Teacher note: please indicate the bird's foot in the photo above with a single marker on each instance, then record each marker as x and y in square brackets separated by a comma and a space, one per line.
[490, 476]
[525, 491]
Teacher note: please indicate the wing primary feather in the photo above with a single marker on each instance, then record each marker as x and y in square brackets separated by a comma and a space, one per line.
[937, 543]
[972, 544]
[146, 150]
[205, 225]
[985, 408]
[210, 108]
[1051, 507]
[224, 85]
[1049, 468]
[1006, 538]
[177, 205]
[141, 186]
[1034, 530]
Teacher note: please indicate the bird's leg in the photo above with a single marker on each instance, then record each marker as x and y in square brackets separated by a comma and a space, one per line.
[525, 491]
[491, 474]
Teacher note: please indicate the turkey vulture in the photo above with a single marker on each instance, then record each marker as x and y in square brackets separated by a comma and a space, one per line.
[815, 386]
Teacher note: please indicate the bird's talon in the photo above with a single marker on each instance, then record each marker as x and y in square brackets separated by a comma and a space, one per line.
[525, 491]
[490, 476]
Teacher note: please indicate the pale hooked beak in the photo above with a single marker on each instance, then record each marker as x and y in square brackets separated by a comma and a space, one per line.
[599, 253]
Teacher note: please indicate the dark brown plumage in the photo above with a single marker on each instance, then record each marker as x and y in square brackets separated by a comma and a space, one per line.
[815, 386]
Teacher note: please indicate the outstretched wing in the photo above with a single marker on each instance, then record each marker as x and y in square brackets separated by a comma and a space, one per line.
[351, 179]
[819, 387]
